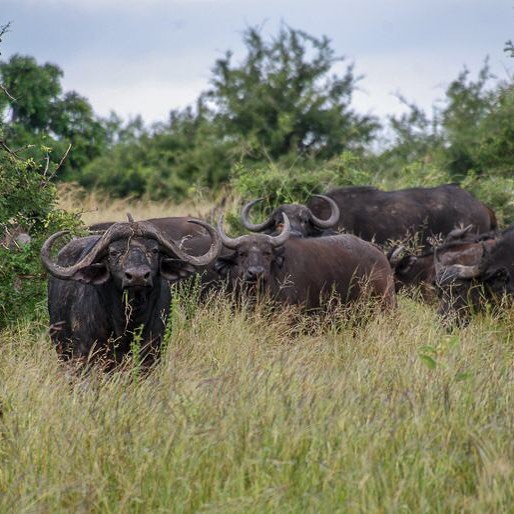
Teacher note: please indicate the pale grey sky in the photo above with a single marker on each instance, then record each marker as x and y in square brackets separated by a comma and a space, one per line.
[150, 56]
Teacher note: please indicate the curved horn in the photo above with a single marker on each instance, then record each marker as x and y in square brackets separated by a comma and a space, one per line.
[226, 240]
[126, 230]
[171, 247]
[395, 257]
[284, 235]
[458, 233]
[66, 272]
[334, 216]
[254, 227]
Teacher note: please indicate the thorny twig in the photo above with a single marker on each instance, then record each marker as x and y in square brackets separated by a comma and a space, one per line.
[7, 149]
[63, 158]
[4, 89]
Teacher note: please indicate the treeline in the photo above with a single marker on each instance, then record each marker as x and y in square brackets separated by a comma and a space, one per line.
[281, 114]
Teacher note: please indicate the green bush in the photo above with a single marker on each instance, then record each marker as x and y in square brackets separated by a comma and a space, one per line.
[27, 203]
[295, 183]
[497, 192]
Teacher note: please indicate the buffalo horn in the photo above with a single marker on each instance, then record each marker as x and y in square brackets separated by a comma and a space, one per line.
[66, 272]
[458, 233]
[456, 270]
[123, 230]
[275, 241]
[227, 241]
[396, 256]
[254, 227]
[334, 216]
[284, 235]
[214, 250]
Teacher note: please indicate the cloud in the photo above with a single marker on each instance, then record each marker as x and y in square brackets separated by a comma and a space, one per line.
[120, 5]
[152, 99]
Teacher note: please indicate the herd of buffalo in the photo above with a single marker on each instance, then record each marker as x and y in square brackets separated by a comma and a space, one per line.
[114, 287]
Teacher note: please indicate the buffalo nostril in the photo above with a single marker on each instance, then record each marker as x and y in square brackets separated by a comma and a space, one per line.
[128, 275]
[146, 275]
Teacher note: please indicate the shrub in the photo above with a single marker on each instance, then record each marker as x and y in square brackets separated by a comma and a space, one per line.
[27, 203]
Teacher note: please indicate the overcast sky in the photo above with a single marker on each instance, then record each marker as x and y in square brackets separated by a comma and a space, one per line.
[151, 56]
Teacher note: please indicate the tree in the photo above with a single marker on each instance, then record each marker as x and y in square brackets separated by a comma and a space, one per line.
[283, 99]
[27, 204]
[38, 113]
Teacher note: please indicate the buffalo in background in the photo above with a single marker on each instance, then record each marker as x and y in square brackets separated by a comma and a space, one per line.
[469, 275]
[379, 216]
[417, 270]
[302, 220]
[306, 271]
[105, 292]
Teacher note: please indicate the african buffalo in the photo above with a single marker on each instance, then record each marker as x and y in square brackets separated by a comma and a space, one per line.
[303, 222]
[105, 292]
[417, 269]
[472, 274]
[306, 271]
[380, 216]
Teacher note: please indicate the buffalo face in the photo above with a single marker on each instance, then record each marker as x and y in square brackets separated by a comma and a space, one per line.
[303, 223]
[468, 279]
[253, 256]
[132, 255]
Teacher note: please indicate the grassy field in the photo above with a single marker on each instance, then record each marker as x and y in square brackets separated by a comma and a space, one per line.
[262, 411]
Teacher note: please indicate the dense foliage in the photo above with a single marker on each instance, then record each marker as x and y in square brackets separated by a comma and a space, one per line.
[27, 204]
[40, 115]
[278, 122]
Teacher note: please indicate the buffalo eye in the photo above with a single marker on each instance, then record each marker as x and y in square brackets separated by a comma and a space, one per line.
[155, 250]
[243, 254]
[114, 253]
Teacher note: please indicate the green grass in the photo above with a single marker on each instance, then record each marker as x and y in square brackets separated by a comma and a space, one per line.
[249, 413]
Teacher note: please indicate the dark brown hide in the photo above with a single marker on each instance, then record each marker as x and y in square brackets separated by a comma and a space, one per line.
[394, 215]
[472, 274]
[308, 271]
[105, 290]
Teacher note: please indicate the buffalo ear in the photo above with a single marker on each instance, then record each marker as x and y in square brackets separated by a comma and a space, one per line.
[405, 264]
[94, 274]
[279, 257]
[223, 264]
[175, 269]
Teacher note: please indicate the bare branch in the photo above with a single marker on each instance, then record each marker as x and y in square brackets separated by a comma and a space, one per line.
[63, 158]
[7, 149]
[2, 87]
[47, 164]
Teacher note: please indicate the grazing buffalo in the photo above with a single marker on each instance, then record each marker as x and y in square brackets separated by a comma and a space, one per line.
[303, 222]
[413, 270]
[107, 292]
[380, 216]
[471, 274]
[306, 271]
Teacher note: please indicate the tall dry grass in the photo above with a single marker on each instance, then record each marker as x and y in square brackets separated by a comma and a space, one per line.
[248, 412]
[253, 411]
[96, 207]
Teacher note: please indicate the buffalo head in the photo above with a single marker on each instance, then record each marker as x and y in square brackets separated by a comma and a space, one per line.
[302, 221]
[412, 270]
[468, 277]
[132, 255]
[253, 255]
